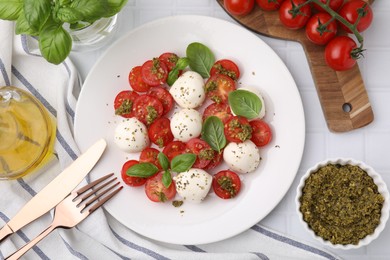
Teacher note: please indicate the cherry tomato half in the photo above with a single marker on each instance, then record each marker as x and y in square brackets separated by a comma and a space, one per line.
[350, 11]
[338, 53]
[160, 132]
[164, 97]
[154, 72]
[294, 21]
[202, 150]
[226, 67]
[174, 148]
[170, 59]
[131, 180]
[123, 103]
[136, 81]
[237, 129]
[156, 191]
[316, 32]
[226, 184]
[220, 110]
[261, 132]
[147, 109]
[269, 5]
[239, 7]
[218, 87]
[150, 154]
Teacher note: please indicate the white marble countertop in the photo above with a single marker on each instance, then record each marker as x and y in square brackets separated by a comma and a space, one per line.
[369, 144]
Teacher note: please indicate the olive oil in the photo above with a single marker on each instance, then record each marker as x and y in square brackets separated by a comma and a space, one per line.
[27, 133]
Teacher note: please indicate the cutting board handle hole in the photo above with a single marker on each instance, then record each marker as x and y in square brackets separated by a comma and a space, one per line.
[347, 107]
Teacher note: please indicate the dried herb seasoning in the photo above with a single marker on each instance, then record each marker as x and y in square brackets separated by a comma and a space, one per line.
[341, 203]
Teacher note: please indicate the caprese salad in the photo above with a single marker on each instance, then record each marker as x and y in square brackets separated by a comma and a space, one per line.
[185, 116]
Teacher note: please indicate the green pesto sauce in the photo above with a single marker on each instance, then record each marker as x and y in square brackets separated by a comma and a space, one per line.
[341, 203]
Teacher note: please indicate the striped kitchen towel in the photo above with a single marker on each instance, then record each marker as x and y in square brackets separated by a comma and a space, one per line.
[100, 236]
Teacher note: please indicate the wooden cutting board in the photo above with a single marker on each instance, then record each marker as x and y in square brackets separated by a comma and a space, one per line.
[342, 95]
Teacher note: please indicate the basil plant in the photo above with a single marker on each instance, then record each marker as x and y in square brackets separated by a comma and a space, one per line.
[45, 19]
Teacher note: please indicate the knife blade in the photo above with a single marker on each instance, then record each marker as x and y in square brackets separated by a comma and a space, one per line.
[56, 190]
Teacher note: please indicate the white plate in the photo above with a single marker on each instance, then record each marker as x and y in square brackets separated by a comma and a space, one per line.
[214, 219]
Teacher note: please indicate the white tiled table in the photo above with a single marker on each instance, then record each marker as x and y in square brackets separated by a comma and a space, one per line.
[370, 144]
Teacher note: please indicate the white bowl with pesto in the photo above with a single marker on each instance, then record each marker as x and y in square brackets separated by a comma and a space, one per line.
[345, 206]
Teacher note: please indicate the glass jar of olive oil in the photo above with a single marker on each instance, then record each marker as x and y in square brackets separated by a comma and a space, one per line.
[27, 133]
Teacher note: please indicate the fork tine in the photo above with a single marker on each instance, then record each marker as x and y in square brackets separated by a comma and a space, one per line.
[105, 199]
[98, 195]
[94, 190]
[87, 187]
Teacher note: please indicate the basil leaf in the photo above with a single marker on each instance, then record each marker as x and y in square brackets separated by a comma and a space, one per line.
[181, 64]
[163, 160]
[90, 9]
[23, 27]
[69, 15]
[167, 179]
[183, 162]
[37, 12]
[143, 170]
[201, 59]
[114, 7]
[213, 133]
[245, 103]
[10, 9]
[55, 43]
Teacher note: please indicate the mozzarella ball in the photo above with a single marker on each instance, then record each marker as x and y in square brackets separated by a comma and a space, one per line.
[186, 124]
[193, 185]
[131, 135]
[188, 90]
[242, 157]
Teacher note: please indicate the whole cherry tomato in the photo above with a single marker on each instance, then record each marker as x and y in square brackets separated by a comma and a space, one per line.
[239, 7]
[351, 10]
[333, 4]
[317, 32]
[339, 53]
[294, 18]
[269, 5]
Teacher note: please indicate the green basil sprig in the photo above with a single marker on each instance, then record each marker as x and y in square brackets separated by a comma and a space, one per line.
[245, 103]
[181, 64]
[213, 133]
[143, 170]
[183, 162]
[201, 59]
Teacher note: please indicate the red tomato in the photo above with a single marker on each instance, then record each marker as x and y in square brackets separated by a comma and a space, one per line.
[218, 87]
[350, 11]
[164, 96]
[221, 110]
[150, 154]
[237, 129]
[123, 103]
[174, 148]
[338, 53]
[156, 191]
[147, 109]
[131, 180]
[333, 4]
[261, 132]
[269, 5]
[239, 7]
[160, 132]
[170, 59]
[294, 21]
[136, 81]
[317, 33]
[202, 150]
[226, 184]
[226, 67]
[154, 72]
[217, 159]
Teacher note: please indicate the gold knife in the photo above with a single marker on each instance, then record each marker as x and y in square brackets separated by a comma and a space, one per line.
[56, 190]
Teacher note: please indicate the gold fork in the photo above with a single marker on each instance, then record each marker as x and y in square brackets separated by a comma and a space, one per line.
[75, 208]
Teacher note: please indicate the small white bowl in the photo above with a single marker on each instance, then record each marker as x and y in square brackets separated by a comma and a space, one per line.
[381, 188]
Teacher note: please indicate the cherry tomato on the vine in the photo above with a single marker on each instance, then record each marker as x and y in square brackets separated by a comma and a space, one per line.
[338, 53]
[333, 4]
[239, 7]
[269, 5]
[317, 32]
[292, 17]
[350, 11]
